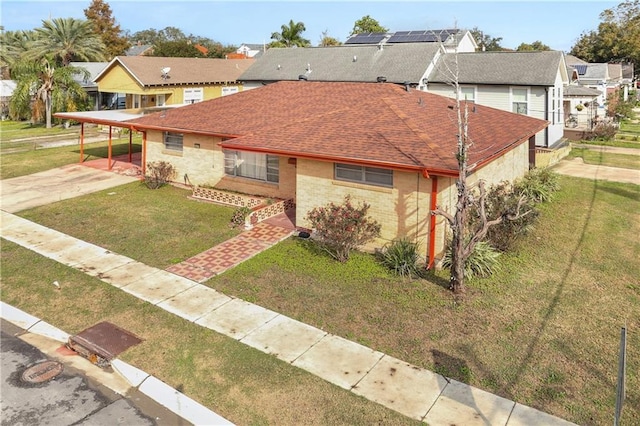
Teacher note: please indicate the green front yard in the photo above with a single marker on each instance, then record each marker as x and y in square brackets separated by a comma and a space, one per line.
[543, 330]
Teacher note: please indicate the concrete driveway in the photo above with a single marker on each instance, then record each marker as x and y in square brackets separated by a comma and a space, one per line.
[58, 184]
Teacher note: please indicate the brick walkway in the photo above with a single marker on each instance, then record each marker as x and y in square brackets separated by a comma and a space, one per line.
[230, 253]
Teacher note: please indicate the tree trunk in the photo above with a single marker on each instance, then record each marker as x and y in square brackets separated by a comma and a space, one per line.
[47, 109]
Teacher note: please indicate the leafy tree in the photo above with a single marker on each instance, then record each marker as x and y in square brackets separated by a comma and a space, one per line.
[66, 40]
[367, 24]
[616, 39]
[43, 88]
[179, 48]
[485, 41]
[326, 40]
[535, 46]
[104, 25]
[291, 35]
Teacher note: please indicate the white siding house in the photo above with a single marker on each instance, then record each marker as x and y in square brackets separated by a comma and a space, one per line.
[529, 83]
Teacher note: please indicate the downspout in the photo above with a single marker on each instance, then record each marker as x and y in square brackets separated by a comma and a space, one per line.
[144, 153]
[432, 221]
[109, 150]
[546, 109]
[82, 142]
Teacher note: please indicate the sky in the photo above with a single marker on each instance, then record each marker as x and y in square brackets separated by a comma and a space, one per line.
[557, 24]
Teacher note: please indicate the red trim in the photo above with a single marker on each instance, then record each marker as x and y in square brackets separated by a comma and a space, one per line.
[82, 142]
[432, 221]
[144, 153]
[109, 150]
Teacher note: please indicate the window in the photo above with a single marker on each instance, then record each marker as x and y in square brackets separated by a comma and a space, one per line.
[519, 99]
[468, 94]
[192, 96]
[229, 90]
[160, 100]
[173, 141]
[252, 165]
[361, 174]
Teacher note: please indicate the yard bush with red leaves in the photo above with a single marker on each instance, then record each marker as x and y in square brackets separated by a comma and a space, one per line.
[342, 228]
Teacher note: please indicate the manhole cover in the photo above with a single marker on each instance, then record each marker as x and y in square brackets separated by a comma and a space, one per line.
[42, 372]
[102, 342]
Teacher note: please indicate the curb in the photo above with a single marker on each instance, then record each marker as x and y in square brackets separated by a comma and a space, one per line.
[154, 388]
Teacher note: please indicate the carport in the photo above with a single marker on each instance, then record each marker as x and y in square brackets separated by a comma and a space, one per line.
[111, 118]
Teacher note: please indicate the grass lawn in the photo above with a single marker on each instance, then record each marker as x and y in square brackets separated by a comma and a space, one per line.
[157, 227]
[238, 382]
[29, 162]
[543, 331]
[591, 156]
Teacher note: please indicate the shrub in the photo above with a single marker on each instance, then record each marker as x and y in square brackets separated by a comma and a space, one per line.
[158, 174]
[239, 215]
[538, 185]
[402, 257]
[482, 262]
[602, 132]
[342, 228]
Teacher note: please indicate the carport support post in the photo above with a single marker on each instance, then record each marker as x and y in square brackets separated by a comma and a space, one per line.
[144, 153]
[109, 155]
[130, 145]
[82, 142]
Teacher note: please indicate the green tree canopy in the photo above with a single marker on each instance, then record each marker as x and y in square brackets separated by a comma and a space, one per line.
[66, 40]
[485, 41]
[367, 24]
[105, 26]
[179, 48]
[616, 39]
[167, 42]
[535, 46]
[290, 35]
[326, 40]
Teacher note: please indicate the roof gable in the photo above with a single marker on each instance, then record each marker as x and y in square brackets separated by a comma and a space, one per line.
[501, 68]
[146, 70]
[376, 124]
[397, 63]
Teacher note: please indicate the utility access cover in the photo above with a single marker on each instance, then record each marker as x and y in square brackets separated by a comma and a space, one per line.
[102, 342]
[42, 372]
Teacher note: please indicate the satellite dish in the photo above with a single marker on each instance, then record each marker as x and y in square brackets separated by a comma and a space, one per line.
[165, 72]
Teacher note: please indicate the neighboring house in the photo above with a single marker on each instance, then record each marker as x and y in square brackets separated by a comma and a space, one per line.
[139, 50]
[452, 40]
[581, 102]
[88, 83]
[595, 76]
[399, 63]
[251, 50]
[315, 142]
[6, 91]
[149, 81]
[529, 83]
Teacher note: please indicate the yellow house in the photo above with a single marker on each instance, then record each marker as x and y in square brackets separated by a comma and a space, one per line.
[149, 81]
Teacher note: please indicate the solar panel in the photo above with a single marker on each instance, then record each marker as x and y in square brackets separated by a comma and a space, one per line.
[426, 36]
[366, 38]
[582, 69]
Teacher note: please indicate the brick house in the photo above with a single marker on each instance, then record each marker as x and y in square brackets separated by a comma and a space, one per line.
[316, 142]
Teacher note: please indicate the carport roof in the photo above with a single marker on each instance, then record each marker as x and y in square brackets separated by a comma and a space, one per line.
[110, 117]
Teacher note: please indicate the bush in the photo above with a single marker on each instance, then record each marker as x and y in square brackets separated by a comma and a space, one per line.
[342, 228]
[158, 174]
[402, 257]
[538, 185]
[602, 132]
[482, 262]
[239, 215]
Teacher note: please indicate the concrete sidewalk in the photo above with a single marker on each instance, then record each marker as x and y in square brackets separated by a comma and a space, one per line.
[577, 168]
[405, 388]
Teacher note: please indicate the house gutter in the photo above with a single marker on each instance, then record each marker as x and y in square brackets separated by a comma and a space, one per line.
[433, 201]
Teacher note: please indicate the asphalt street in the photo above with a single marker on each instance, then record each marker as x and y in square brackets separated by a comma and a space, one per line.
[70, 398]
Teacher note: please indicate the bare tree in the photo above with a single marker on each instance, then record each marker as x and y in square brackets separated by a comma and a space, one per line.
[464, 240]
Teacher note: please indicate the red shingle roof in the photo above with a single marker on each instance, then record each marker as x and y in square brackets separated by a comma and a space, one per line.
[376, 124]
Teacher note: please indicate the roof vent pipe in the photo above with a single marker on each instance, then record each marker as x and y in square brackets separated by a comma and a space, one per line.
[302, 77]
[382, 79]
[407, 86]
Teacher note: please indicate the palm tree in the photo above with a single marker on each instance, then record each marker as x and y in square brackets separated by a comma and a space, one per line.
[14, 44]
[291, 35]
[43, 88]
[66, 40]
